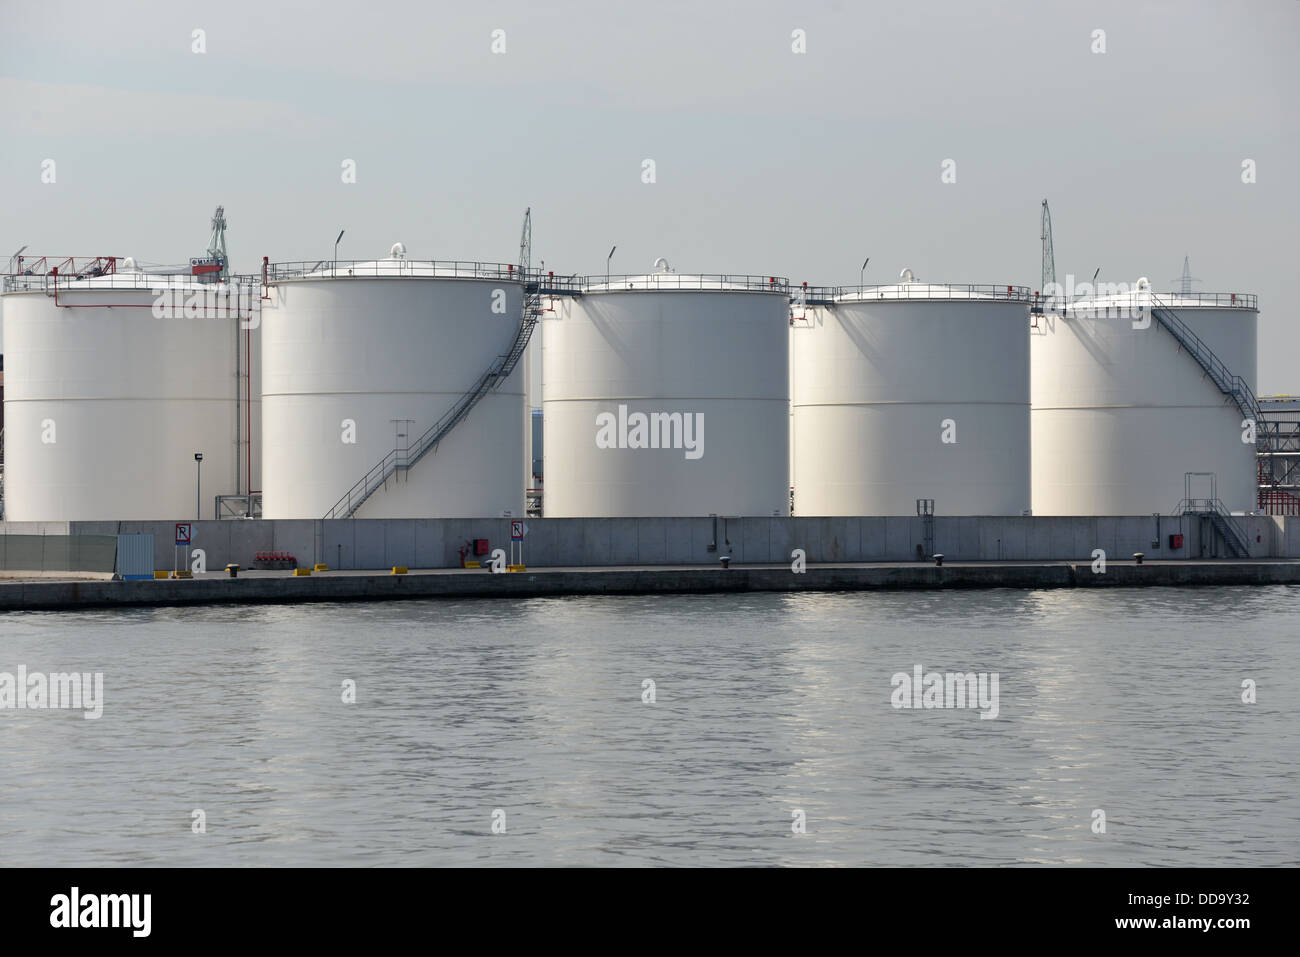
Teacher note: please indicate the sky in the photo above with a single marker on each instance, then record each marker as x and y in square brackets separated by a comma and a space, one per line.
[766, 161]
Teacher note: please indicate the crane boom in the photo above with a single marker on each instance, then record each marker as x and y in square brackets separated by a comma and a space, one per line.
[1049, 256]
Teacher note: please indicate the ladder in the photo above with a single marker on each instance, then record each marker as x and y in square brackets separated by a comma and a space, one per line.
[402, 459]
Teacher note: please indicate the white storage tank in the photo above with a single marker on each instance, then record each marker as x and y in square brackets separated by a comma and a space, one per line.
[360, 360]
[1122, 408]
[911, 391]
[667, 395]
[114, 380]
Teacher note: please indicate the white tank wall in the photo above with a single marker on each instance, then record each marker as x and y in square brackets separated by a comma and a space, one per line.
[374, 350]
[1120, 414]
[131, 399]
[723, 354]
[873, 382]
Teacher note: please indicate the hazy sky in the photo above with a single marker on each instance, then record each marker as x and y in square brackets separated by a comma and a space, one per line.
[766, 161]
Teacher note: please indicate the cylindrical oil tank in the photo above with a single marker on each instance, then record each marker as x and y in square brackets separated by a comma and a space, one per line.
[911, 391]
[667, 395]
[113, 383]
[362, 360]
[1123, 409]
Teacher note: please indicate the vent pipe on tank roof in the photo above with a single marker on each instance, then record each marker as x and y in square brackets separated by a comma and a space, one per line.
[906, 275]
[661, 265]
[398, 251]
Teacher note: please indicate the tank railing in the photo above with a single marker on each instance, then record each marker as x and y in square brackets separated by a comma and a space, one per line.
[1227, 300]
[549, 284]
[923, 290]
[116, 280]
[1229, 384]
[385, 268]
[692, 281]
[803, 295]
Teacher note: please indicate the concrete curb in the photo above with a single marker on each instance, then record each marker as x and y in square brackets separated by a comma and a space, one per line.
[614, 581]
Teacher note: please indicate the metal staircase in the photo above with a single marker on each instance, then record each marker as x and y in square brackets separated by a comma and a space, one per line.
[1214, 511]
[401, 459]
[1233, 386]
[1220, 520]
[1228, 530]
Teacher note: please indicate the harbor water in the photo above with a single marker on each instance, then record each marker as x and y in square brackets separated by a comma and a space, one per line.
[749, 729]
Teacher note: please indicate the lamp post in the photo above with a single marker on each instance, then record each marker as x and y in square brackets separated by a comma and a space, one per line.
[607, 259]
[198, 486]
[863, 271]
[336, 249]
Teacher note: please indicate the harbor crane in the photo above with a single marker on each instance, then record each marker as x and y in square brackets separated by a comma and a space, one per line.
[1049, 256]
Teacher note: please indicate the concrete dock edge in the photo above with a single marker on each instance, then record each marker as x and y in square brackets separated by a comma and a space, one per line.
[50, 595]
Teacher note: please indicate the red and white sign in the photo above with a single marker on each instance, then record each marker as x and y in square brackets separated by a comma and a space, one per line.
[182, 533]
[517, 531]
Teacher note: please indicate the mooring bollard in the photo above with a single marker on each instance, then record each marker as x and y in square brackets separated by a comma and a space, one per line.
[726, 560]
[938, 559]
[234, 570]
[1137, 558]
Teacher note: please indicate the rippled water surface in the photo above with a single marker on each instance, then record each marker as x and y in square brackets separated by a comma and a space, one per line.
[1127, 701]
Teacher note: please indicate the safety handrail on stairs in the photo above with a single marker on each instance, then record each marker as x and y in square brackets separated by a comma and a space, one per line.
[399, 459]
[1221, 519]
[1229, 384]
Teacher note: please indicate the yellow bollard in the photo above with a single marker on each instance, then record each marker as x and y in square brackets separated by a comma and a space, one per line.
[398, 570]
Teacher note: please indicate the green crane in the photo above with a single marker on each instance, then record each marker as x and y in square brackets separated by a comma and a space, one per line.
[217, 244]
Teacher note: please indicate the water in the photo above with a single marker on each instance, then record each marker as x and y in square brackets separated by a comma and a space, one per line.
[1127, 701]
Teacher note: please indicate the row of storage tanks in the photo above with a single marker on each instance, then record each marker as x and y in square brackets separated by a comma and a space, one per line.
[662, 395]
